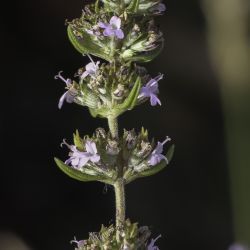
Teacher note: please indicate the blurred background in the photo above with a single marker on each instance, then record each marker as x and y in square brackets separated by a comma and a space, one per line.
[200, 202]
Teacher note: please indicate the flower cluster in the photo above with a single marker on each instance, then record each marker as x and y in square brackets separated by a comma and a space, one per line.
[115, 36]
[98, 155]
[105, 88]
[134, 238]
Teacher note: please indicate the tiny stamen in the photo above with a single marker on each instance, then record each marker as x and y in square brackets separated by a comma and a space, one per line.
[90, 58]
[59, 76]
[65, 143]
[166, 140]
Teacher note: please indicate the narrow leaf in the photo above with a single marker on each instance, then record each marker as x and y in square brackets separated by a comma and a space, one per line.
[131, 100]
[76, 174]
[86, 45]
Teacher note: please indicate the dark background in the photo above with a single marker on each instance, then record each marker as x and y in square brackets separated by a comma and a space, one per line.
[188, 203]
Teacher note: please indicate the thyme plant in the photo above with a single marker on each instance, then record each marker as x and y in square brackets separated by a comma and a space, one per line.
[123, 34]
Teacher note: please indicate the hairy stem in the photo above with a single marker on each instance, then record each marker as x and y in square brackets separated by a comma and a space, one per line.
[119, 186]
[113, 126]
[120, 207]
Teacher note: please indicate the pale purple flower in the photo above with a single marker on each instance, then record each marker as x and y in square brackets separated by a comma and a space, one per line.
[152, 246]
[156, 156]
[78, 158]
[113, 28]
[151, 90]
[79, 243]
[238, 246]
[70, 94]
[91, 68]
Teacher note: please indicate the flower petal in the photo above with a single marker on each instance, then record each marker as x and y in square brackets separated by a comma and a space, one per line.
[62, 99]
[70, 97]
[159, 148]
[83, 161]
[84, 74]
[153, 159]
[115, 21]
[154, 100]
[108, 31]
[95, 158]
[103, 25]
[75, 161]
[119, 34]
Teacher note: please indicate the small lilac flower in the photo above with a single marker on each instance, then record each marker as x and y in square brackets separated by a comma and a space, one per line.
[151, 90]
[91, 68]
[156, 156]
[238, 246]
[70, 94]
[113, 28]
[79, 243]
[78, 158]
[152, 246]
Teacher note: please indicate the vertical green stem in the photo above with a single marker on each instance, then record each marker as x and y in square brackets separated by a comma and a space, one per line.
[120, 206]
[113, 126]
[118, 186]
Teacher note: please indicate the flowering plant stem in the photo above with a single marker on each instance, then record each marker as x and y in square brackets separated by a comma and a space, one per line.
[113, 126]
[119, 186]
[120, 207]
[121, 32]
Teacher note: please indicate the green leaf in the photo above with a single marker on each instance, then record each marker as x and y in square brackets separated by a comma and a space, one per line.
[170, 153]
[145, 56]
[87, 45]
[76, 174]
[133, 6]
[88, 98]
[131, 100]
